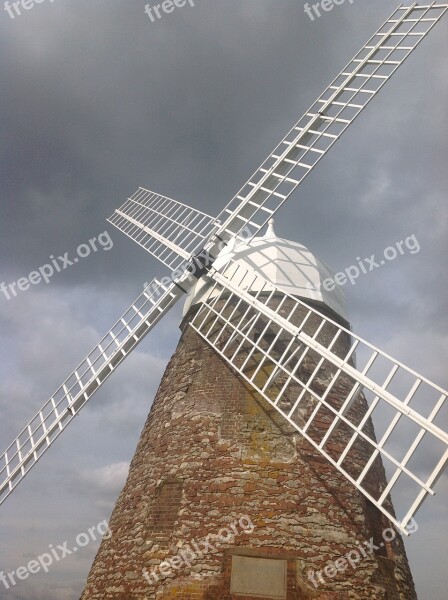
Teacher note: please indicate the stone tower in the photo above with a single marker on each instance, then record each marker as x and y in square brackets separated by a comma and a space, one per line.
[225, 501]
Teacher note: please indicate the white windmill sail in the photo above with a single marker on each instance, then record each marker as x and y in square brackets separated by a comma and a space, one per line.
[327, 118]
[267, 337]
[59, 411]
[169, 230]
[173, 232]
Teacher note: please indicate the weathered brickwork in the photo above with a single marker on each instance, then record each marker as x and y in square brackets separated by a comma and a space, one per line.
[212, 451]
[164, 509]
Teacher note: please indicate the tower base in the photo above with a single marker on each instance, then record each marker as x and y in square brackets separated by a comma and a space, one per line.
[225, 501]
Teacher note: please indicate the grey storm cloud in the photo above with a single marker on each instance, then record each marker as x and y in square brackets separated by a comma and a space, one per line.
[97, 100]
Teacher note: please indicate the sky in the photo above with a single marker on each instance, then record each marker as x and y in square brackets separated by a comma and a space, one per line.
[97, 100]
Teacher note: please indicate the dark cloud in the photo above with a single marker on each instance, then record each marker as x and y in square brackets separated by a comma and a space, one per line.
[96, 101]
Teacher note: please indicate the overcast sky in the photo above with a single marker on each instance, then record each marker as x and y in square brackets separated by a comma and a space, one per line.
[97, 100]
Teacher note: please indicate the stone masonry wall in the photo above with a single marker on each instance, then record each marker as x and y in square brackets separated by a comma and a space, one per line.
[212, 451]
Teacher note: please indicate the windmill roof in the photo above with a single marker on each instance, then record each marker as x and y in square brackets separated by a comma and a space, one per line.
[289, 265]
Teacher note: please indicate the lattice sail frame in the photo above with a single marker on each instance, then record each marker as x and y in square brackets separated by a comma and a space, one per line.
[169, 230]
[327, 119]
[263, 335]
[78, 388]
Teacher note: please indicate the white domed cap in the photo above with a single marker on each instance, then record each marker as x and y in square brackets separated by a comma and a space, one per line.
[288, 265]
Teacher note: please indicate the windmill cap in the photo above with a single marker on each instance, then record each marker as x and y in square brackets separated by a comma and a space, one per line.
[288, 265]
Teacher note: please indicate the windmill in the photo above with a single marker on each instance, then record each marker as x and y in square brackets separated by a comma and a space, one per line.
[243, 317]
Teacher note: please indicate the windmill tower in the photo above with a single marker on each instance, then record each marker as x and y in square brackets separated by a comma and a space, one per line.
[227, 492]
[259, 462]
